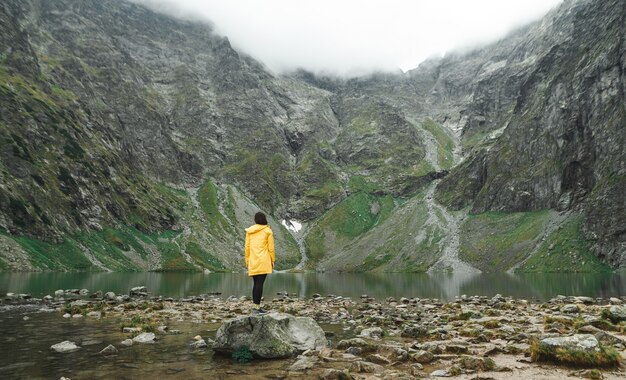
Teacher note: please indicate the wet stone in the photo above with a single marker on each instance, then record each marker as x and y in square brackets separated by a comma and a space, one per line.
[144, 338]
[378, 359]
[64, 347]
[303, 363]
[570, 309]
[373, 332]
[366, 367]
[108, 350]
[423, 356]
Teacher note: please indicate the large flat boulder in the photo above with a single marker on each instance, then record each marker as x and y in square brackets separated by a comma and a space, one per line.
[270, 336]
[577, 350]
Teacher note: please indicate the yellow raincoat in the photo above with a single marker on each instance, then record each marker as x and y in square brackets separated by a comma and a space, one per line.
[259, 249]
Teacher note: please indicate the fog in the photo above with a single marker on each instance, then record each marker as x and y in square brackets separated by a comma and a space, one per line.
[352, 37]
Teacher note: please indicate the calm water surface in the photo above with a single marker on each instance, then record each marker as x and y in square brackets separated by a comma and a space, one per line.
[443, 286]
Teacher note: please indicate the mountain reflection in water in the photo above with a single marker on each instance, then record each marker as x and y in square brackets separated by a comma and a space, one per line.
[380, 285]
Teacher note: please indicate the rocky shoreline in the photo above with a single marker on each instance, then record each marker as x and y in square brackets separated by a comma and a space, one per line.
[470, 337]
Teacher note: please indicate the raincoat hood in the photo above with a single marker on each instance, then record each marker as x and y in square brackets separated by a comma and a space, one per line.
[256, 228]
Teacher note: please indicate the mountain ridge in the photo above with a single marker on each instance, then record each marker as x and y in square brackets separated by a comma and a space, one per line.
[138, 141]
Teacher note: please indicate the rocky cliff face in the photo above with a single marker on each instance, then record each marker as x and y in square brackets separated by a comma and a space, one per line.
[552, 110]
[139, 141]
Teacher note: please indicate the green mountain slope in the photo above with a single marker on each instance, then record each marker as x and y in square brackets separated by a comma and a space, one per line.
[131, 140]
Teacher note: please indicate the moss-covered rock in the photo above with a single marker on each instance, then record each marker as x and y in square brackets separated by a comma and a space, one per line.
[269, 336]
[581, 350]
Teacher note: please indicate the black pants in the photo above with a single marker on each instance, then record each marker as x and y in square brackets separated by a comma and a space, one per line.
[257, 289]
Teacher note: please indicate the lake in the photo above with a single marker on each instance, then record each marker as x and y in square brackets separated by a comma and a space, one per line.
[380, 285]
[27, 331]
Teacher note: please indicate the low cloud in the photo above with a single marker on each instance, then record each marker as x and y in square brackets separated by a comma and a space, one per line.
[351, 37]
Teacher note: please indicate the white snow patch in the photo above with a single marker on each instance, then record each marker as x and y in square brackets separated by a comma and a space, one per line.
[291, 225]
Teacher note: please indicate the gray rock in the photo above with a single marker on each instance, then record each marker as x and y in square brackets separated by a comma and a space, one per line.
[270, 336]
[110, 349]
[127, 342]
[578, 342]
[570, 309]
[144, 338]
[335, 374]
[199, 344]
[65, 346]
[138, 291]
[109, 296]
[416, 370]
[303, 363]
[378, 359]
[366, 367]
[393, 353]
[602, 336]
[354, 342]
[477, 363]
[440, 373]
[585, 300]
[59, 293]
[97, 294]
[94, 314]
[79, 303]
[83, 292]
[414, 332]
[617, 313]
[615, 301]
[423, 356]
[456, 349]
[372, 332]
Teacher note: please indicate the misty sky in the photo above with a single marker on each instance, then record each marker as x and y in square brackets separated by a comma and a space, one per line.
[356, 36]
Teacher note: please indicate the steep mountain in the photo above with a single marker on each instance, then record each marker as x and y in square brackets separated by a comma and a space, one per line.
[553, 109]
[132, 140]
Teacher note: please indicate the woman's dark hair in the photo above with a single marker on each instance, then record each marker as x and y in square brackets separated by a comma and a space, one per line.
[259, 218]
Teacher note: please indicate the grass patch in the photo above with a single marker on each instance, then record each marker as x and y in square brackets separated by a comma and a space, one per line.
[64, 256]
[495, 241]
[358, 183]
[445, 144]
[208, 197]
[353, 216]
[203, 258]
[144, 323]
[242, 355]
[113, 247]
[565, 250]
[172, 260]
[348, 220]
[491, 324]
[605, 357]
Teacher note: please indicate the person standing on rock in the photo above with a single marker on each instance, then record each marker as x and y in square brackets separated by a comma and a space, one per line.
[259, 255]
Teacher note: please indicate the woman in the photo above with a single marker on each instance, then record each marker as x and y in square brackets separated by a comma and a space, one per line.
[259, 255]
